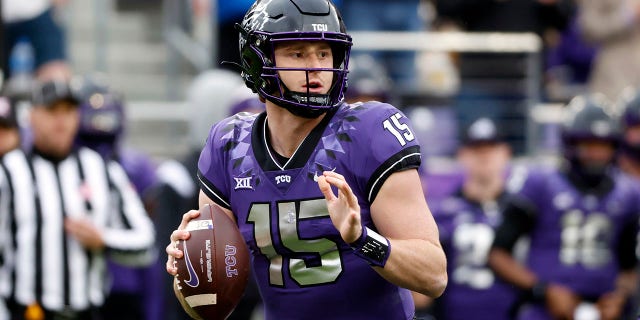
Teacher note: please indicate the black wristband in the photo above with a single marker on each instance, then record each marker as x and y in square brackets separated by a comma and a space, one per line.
[372, 247]
[539, 291]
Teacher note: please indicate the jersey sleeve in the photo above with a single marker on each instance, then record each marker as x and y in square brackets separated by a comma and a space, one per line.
[385, 145]
[213, 176]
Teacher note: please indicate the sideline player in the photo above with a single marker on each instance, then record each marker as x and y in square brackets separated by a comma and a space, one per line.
[134, 291]
[583, 223]
[467, 220]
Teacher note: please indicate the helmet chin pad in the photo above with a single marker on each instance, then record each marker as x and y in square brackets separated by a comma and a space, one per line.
[310, 99]
[315, 104]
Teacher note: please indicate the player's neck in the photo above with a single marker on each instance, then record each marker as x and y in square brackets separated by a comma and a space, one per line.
[287, 131]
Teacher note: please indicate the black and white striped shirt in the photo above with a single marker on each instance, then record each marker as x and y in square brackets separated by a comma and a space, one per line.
[41, 262]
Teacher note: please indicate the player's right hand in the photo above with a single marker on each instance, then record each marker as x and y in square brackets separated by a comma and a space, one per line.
[177, 235]
[344, 209]
[561, 301]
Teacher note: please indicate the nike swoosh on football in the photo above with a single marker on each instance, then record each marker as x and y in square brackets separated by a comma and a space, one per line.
[193, 277]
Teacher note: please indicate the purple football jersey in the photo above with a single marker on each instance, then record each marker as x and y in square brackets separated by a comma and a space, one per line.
[467, 229]
[576, 235]
[303, 267]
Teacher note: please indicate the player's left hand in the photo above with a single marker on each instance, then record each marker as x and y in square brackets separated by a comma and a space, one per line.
[611, 305]
[343, 209]
[173, 252]
[85, 232]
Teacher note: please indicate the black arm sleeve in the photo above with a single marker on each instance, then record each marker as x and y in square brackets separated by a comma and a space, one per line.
[627, 246]
[518, 219]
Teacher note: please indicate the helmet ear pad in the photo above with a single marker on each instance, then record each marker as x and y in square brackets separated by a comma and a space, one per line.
[252, 60]
[257, 55]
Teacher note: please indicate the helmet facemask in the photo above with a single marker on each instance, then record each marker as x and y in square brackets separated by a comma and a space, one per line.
[269, 23]
[259, 51]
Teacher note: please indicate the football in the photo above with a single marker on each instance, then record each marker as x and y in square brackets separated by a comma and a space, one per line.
[213, 273]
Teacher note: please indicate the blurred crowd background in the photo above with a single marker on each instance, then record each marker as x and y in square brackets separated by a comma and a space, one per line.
[445, 63]
[448, 62]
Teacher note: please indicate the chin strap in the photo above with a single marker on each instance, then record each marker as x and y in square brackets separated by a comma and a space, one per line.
[305, 112]
[308, 98]
[312, 99]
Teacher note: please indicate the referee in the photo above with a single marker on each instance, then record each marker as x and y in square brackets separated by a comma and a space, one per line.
[62, 209]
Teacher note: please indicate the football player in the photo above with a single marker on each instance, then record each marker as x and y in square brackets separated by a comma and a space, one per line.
[102, 128]
[134, 291]
[326, 194]
[467, 220]
[582, 220]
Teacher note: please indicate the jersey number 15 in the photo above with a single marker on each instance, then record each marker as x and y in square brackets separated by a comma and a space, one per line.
[289, 218]
[401, 131]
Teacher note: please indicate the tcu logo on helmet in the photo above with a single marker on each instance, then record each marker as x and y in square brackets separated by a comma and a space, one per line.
[320, 27]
